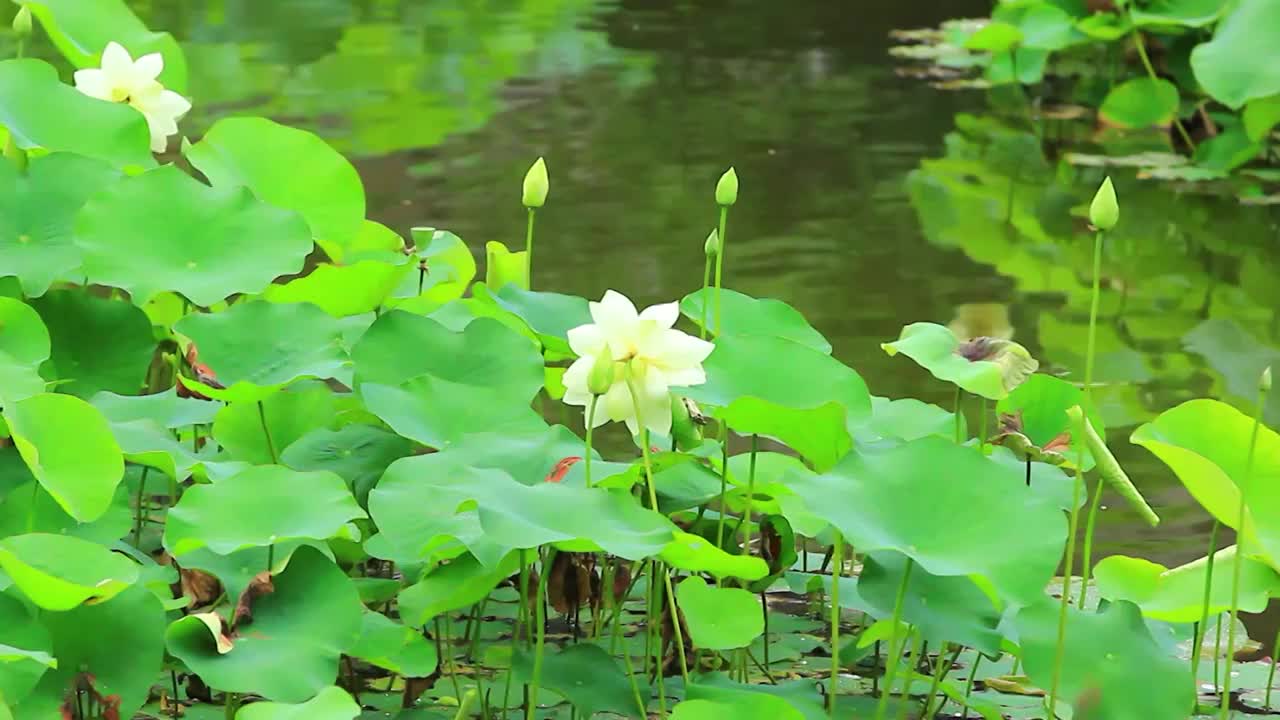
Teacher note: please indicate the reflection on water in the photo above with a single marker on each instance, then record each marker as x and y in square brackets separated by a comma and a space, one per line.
[868, 201]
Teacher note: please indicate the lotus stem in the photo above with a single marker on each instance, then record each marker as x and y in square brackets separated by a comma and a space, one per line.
[266, 433]
[540, 629]
[724, 481]
[968, 686]
[724, 217]
[675, 624]
[895, 649]
[838, 556]
[1151, 73]
[751, 491]
[464, 705]
[982, 424]
[631, 675]
[1241, 536]
[1087, 556]
[528, 251]
[1271, 674]
[959, 437]
[706, 285]
[1091, 343]
[940, 671]
[1067, 562]
[591, 421]
[1203, 626]
[913, 659]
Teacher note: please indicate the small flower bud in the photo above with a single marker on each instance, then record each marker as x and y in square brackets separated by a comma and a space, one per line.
[1264, 382]
[600, 378]
[22, 22]
[1104, 211]
[712, 246]
[727, 188]
[536, 185]
[684, 428]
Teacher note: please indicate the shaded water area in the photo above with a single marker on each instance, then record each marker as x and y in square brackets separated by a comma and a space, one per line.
[868, 200]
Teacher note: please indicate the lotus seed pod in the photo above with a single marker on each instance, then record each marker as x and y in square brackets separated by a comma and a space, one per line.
[600, 378]
[22, 22]
[727, 188]
[536, 185]
[712, 246]
[1104, 211]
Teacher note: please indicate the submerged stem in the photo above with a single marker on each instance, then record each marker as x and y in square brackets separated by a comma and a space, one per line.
[838, 564]
[1238, 561]
[895, 649]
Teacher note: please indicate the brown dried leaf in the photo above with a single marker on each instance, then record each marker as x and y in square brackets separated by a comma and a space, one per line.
[200, 586]
[259, 586]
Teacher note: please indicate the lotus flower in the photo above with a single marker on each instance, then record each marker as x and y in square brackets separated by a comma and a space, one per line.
[648, 354]
[125, 80]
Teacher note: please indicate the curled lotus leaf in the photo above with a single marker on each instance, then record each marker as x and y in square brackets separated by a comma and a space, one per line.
[1177, 594]
[985, 366]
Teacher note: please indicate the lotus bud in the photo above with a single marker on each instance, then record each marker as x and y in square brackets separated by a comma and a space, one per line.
[1264, 382]
[22, 22]
[684, 427]
[1104, 211]
[536, 185]
[600, 377]
[712, 246]
[727, 188]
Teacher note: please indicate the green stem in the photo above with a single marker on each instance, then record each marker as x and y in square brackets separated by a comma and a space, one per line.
[724, 481]
[722, 245]
[838, 563]
[751, 491]
[706, 283]
[1203, 626]
[631, 675]
[1091, 344]
[1087, 553]
[1068, 561]
[895, 649]
[266, 432]
[913, 659]
[31, 511]
[528, 251]
[230, 703]
[675, 623]
[591, 421]
[1238, 562]
[940, 671]
[982, 425]
[540, 628]
[968, 686]
[959, 439]
[1151, 73]
[1271, 674]
[464, 707]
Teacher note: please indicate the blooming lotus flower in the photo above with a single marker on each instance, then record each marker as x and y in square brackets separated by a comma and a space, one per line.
[122, 79]
[648, 354]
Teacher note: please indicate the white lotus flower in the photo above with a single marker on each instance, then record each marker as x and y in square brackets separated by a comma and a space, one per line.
[644, 344]
[125, 80]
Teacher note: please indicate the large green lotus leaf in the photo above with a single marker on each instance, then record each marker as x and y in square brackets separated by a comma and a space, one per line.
[503, 267]
[343, 290]
[24, 346]
[288, 168]
[485, 354]
[808, 400]
[98, 344]
[874, 499]
[586, 675]
[259, 506]
[744, 315]
[1177, 595]
[37, 210]
[17, 516]
[358, 453]
[165, 409]
[393, 646]
[59, 572]
[457, 584]
[550, 315]
[237, 570]
[82, 30]
[331, 703]
[437, 412]
[719, 618]
[753, 708]
[24, 650]
[1001, 367]
[146, 443]
[81, 474]
[39, 110]
[1177, 13]
[208, 243]
[1242, 61]
[445, 269]
[256, 348]
[1259, 117]
[1110, 661]
[304, 626]
[1140, 103]
[943, 609]
[906, 419]
[289, 414]
[695, 554]
[1206, 443]
[90, 639]
[1041, 404]
[1237, 355]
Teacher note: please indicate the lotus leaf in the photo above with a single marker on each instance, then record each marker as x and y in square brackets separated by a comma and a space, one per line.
[59, 572]
[1141, 102]
[165, 409]
[719, 618]
[550, 315]
[588, 677]
[24, 650]
[454, 585]
[359, 454]
[695, 554]
[343, 290]
[24, 345]
[395, 647]
[18, 516]
[744, 315]
[445, 269]
[1177, 13]
[97, 344]
[1177, 595]
[1242, 61]
[989, 367]
[289, 415]
[331, 703]
[503, 267]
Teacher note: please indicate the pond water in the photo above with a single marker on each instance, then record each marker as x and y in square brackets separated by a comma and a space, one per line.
[869, 200]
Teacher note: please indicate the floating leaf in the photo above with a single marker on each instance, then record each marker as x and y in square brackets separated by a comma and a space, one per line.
[395, 647]
[989, 367]
[1109, 658]
[82, 474]
[256, 348]
[58, 572]
[38, 209]
[1242, 61]
[719, 618]
[311, 618]
[588, 677]
[695, 554]
[745, 315]
[1140, 103]
[1177, 595]
[874, 500]
[39, 110]
[260, 506]
[289, 168]
[208, 243]
[810, 401]
[98, 344]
